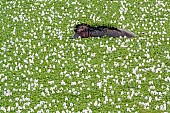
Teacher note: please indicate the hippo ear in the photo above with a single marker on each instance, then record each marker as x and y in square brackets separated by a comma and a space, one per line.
[85, 28]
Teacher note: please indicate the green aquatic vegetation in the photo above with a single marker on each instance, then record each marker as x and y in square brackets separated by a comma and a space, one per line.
[43, 70]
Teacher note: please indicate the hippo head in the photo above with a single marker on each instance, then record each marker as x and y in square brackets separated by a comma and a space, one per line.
[81, 30]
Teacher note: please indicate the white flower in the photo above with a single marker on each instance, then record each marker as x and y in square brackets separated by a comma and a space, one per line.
[73, 83]
[63, 83]
[163, 107]
[99, 84]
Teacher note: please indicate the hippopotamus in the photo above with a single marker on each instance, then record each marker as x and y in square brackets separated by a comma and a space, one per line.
[84, 31]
